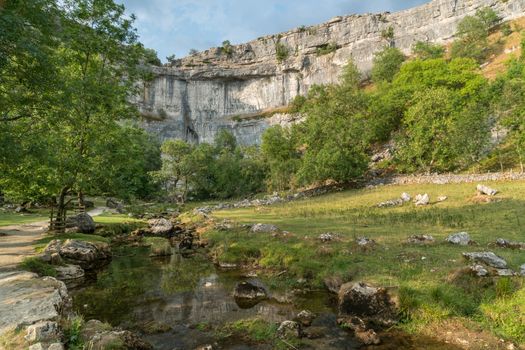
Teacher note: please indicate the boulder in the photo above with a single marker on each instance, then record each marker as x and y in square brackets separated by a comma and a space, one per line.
[160, 227]
[503, 243]
[482, 189]
[460, 238]
[326, 237]
[56, 346]
[99, 336]
[479, 270]
[88, 255]
[289, 329]
[522, 270]
[333, 283]
[487, 258]
[83, 223]
[249, 293]
[364, 242]
[29, 299]
[390, 203]
[305, 318]
[420, 239]
[71, 275]
[422, 199]
[442, 198]
[368, 303]
[405, 197]
[112, 203]
[264, 228]
[37, 346]
[42, 331]
[21, 210]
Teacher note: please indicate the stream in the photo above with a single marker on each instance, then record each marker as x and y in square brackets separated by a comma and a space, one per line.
[174, 302]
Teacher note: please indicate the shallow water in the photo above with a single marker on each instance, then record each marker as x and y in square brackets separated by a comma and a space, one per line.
[169, 301]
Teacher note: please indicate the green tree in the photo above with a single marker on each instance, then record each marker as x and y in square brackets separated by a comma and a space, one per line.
[386, 64]
[425, 51]
[280, 154]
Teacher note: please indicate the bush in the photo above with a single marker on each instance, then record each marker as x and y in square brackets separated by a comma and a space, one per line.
[38, 266]
[426, 51]
[281, 51]
[386, 64]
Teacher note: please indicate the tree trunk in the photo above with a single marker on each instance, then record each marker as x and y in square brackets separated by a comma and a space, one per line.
[58, 224]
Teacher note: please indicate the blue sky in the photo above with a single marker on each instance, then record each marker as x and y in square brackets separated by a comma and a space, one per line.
[176, 26]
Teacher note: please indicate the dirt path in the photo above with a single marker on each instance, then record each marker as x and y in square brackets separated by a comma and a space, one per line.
[19, 240]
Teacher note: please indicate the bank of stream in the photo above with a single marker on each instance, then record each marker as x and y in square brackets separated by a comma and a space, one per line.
[184, 302]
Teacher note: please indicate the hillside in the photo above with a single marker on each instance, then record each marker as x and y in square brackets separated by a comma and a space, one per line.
[198, 95]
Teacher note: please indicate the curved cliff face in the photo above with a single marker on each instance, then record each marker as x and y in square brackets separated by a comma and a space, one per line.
[244, 90]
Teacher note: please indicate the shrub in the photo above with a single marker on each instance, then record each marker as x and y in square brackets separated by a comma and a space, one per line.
[281, 51]
[326, 49]
[226, 48]
[425, 51]
[386, 64]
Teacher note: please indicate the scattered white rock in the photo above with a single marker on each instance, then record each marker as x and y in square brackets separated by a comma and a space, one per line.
[37, 346]
[161, 227]
[486, 190]
[405, 197]
[487, 258]
[264, 228]
[505, 272]
[420, 239]
[326, 237]
[522, 270]
[391, 203]
[479, 270]
[504, 243]
[442, 198]
[42, 331]
[422, 199]
[365, 242]
[289, 329]
[460, 238]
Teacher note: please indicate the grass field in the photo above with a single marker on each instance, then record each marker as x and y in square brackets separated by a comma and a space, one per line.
[11, 218]
[421, 276]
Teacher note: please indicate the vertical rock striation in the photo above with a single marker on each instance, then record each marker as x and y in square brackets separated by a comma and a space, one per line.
[247, 89]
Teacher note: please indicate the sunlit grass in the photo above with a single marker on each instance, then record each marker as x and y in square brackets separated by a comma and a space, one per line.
[8, 218]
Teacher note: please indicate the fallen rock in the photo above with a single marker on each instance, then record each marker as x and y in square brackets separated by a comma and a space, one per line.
[460, 238]
[390, 203]
[365, 242]
[442, 198]
[112, 203]
[29, 299]
[420, 239]
[503, 243]
[82, 222]
[405, 197]
[249, 293]
[264, 228]
[482, 189]
[289, 329]
[99, 336]
[305, 318]
[368, 303]
[333, 283]
[326, 237]
[422, 199]
[479, 270]
[487, 258]
[160, 227]
[88, 255]
[71, 275]
[42, 331]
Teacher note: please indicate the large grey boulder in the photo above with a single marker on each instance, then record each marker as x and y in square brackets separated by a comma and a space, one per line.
[71, 275]
[249, 293]
[460, 238]
[289, 329]
[27, 299]
[486, 190]
[88, 255]
[487, 258]
[83, 223]
[264, 228]
[371, 304]
[160, 227]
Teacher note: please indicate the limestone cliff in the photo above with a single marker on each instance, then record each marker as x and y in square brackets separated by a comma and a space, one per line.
[244, 88]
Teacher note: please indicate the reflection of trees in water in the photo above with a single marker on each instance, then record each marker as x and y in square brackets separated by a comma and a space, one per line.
[184, 274]
[118, 289]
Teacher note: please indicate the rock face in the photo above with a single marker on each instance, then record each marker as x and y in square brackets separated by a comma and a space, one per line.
[88, 255]
[245, 91]
[28, 299]
[368, 303]
[83, 222]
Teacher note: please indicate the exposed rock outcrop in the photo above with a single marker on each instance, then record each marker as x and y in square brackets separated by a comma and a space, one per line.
[245, 90]
[44, 299]
[88, 255]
